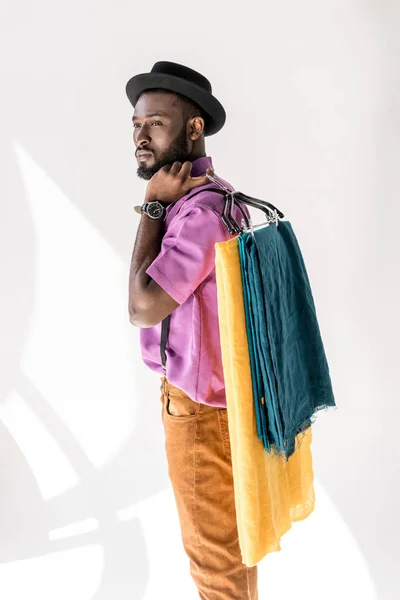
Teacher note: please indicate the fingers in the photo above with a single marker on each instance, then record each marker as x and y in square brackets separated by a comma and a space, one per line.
[177, 168]
[202, 180]
[183, 172]
[186, 169]
[197, 181]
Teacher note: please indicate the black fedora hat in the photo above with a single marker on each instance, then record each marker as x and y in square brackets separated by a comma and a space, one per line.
[182, 80]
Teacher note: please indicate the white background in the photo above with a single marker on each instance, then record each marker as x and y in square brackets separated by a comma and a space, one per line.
[311, 91]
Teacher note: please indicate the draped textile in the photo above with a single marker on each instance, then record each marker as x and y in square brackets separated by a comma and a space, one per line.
[270, 494]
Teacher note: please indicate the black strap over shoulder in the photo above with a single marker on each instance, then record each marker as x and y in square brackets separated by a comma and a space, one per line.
[164, 337]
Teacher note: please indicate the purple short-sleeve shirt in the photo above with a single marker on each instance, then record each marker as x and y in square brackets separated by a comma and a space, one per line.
[185, 269]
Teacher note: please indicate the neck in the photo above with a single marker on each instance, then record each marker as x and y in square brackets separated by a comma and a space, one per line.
[198, 150]
[195, 155]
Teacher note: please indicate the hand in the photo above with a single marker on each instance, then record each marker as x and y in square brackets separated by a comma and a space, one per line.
[170, 183]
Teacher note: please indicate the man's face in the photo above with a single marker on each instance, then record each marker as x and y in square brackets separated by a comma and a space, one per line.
[159, 130]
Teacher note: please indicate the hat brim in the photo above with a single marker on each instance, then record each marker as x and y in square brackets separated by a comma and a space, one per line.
[210, 105]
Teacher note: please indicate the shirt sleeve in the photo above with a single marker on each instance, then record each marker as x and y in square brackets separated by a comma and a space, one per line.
[187, 253]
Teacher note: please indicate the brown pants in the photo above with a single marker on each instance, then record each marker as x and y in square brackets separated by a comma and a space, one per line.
[200, 469]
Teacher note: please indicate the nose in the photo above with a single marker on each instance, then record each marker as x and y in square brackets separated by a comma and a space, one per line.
[141, 137]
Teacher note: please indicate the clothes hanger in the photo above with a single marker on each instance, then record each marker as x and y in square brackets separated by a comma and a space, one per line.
[233, 197]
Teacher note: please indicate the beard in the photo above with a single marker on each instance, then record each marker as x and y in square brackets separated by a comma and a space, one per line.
[178, 151]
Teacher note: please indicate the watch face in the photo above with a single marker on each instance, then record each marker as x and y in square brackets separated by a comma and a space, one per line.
[155, 210]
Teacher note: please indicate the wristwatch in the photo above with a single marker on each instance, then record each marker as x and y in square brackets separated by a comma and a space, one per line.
[154, 210]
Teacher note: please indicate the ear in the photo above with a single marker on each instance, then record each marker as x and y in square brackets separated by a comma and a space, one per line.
[196, 127]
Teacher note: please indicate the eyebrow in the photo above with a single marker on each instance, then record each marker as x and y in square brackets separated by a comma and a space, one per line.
[153, 114]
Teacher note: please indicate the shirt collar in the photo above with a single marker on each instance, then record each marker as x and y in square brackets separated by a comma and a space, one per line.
[200, 165]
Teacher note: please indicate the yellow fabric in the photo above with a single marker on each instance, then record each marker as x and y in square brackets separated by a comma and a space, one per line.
[270, 493]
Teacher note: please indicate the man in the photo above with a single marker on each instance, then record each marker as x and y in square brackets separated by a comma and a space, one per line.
[173, 274]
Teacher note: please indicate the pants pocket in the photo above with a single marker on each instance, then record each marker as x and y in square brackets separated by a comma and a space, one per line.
[180, 407]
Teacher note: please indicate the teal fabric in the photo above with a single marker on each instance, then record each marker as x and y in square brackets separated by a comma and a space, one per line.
[256, 327]
[257, 384]
[288, 360]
